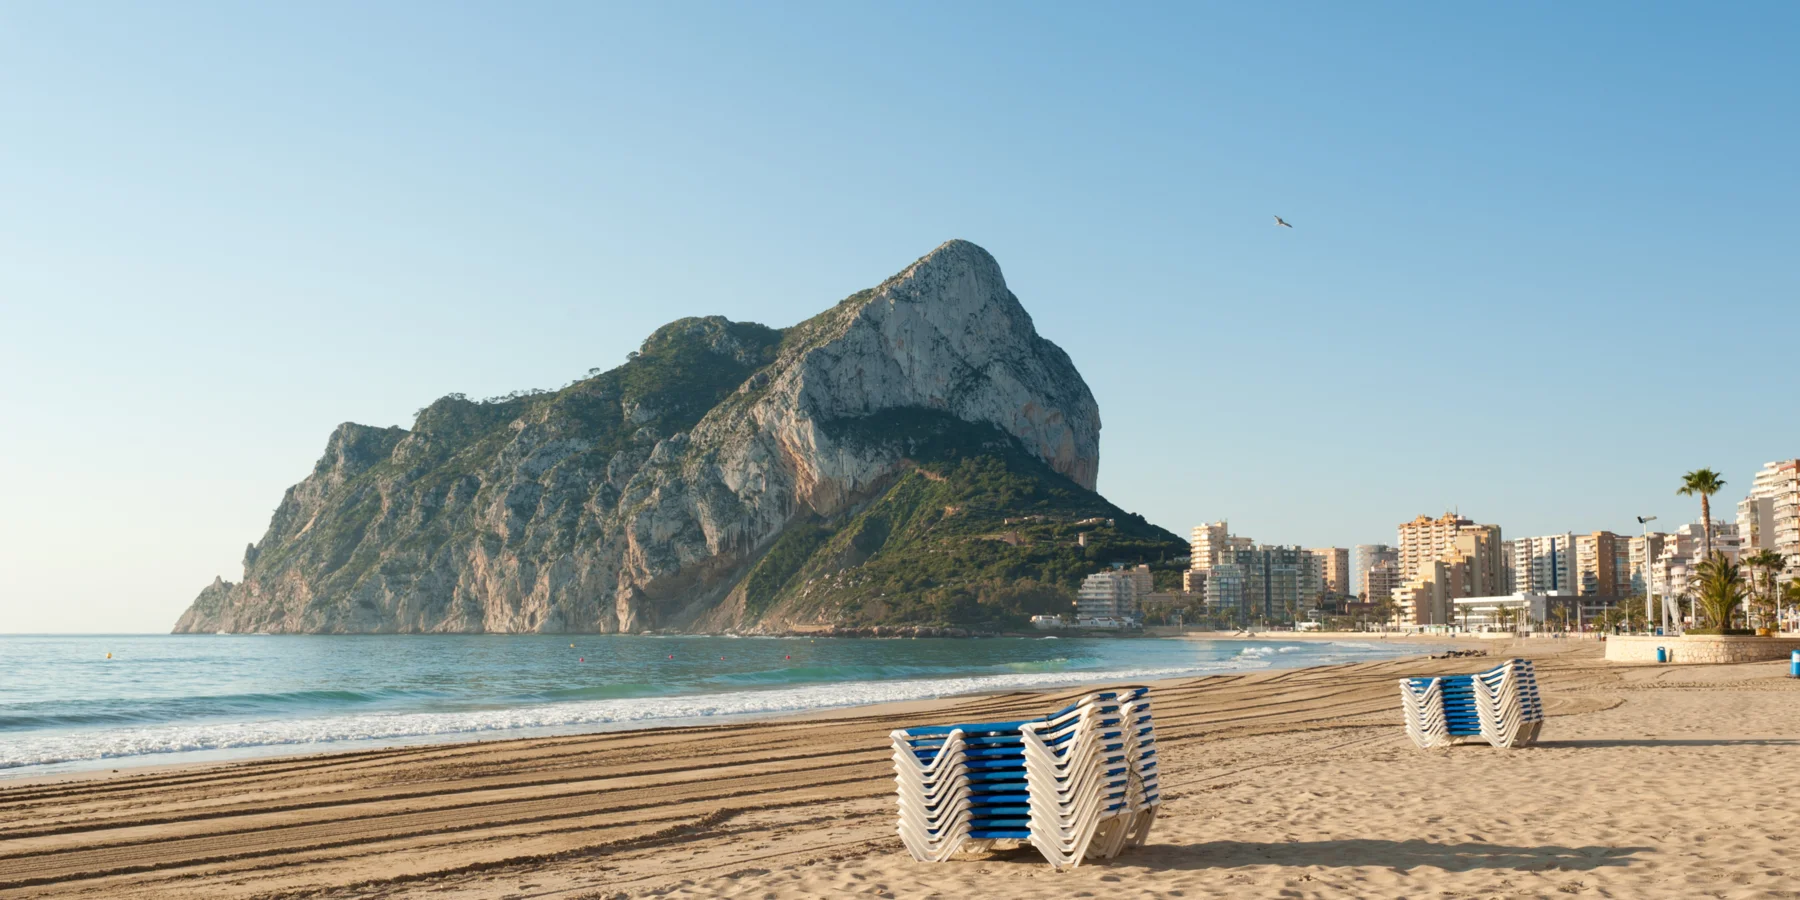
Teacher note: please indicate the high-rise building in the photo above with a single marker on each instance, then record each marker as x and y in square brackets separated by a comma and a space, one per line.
[1225, 588]
[1674, 559]
[1334, 569]
[1544, 565]
[1193, 581]
[1381, 580]
[1207, 543]
[1602, 565]
[1424, 539]
[1643, 563]
[1470, 565]
[1272, 583]
[1690, 541]
[1508, 555]
[1769, 518]
[1367, 556]
[1112, 596]
[1756, 523]
[1142, 583]
[1478, 548]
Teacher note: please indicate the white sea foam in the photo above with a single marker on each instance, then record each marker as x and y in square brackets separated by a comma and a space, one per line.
[116, 743]
[1265, 651]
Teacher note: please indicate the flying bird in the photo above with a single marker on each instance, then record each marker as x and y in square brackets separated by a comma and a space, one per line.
[1282, 222]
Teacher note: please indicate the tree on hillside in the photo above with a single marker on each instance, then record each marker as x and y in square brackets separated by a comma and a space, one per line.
[1706, 483]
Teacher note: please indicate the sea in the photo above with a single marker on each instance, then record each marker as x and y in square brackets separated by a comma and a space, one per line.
[69, 703]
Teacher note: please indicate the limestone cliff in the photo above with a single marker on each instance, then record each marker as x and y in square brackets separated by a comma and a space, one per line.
[643, 497]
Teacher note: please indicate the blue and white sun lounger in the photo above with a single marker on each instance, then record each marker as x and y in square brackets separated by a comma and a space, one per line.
[1079, 783]
[1500, 706]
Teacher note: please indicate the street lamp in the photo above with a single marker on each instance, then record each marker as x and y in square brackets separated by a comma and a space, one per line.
[1649, 594]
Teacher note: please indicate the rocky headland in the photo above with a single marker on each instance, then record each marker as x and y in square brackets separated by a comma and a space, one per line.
[917, 455]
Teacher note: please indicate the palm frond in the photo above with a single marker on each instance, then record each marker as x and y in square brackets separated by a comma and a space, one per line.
[1722, 590]
[1704, 482]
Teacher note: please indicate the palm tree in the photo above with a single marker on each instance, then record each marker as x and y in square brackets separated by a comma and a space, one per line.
[1706, 483]
[1766, 562]
[1721, 590]
[1790, 593]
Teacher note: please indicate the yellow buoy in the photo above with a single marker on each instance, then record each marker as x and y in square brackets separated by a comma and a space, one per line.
[109, 656]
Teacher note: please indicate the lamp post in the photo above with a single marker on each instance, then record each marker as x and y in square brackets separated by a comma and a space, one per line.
[1649, 593]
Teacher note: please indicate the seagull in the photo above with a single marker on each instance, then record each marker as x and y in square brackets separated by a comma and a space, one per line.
[1282, 222]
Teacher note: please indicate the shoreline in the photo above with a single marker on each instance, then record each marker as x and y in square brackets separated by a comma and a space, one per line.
[930, 693]
[1276, 781]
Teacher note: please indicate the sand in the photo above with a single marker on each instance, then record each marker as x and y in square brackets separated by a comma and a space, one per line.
[1650, 782]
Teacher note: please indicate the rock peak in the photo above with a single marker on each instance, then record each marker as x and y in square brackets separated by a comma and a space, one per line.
[951, 259]
[640, 498]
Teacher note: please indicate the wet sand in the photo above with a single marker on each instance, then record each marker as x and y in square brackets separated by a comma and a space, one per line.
[1650, 782]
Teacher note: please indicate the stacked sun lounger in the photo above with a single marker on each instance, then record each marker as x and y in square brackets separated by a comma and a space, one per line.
[1077, 784]
[1500, 706]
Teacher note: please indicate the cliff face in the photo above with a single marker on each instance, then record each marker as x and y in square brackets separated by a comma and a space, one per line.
[642, 497]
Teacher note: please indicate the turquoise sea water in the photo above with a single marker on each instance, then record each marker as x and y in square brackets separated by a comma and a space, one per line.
[182, 698]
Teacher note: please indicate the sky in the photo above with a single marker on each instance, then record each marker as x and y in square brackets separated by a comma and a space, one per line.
[1542, 262]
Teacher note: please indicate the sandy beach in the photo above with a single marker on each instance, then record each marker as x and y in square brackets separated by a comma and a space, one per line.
[1650, 782]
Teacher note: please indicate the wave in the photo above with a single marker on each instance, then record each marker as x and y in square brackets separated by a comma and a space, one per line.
[117, 743]
[1268, 651]
[67, 714]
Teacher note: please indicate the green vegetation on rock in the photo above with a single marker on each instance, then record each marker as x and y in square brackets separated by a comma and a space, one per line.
[977, 532]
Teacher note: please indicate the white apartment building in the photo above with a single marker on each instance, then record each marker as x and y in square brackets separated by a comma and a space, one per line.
[1769, 518]
[1543, 564]
[1205, 544]
[1644, 563]
[1675, 568]
[1110, 599]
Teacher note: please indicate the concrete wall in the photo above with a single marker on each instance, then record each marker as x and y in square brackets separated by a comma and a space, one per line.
[1700, 648]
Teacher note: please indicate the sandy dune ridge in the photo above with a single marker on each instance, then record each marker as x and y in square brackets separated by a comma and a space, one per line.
[1651, 782]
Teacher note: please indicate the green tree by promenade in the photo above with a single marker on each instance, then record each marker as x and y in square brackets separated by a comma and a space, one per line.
[1790, 594]
[1766, 564]
[1721, 592]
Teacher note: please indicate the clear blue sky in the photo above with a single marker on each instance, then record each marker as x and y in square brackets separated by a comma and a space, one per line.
[1543, 262]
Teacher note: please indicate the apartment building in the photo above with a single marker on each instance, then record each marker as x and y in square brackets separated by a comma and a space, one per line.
[1193, 581]
[1207, 544]
[1424, 539]
[1334, 569]
[1676, 559]
[1269, 582]
[1368, 556]
[1602, 565]
[1381, 580]
[1112, 598]
[1225, 588]
[1543, 565]
[1769, 518]
[1645, 550]
[1471, 566]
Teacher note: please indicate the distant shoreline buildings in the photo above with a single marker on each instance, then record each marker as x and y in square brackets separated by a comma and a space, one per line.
[1451, 570]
